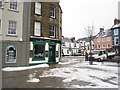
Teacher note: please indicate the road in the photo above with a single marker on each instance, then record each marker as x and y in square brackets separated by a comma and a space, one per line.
[71, 72]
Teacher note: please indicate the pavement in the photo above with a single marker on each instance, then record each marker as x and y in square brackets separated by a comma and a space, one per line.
[57, 76]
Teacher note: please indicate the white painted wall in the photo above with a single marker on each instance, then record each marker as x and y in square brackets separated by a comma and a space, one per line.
[12, 15]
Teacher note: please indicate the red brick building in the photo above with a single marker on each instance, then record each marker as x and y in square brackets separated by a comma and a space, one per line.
[103, 40]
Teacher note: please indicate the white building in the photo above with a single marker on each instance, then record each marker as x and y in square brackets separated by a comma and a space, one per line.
[84, 43]
[69, 46]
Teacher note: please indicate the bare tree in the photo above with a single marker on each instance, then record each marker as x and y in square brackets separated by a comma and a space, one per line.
[89, 30]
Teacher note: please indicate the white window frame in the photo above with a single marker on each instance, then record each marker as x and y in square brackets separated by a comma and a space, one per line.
[103, 39]
[116, 31]
[109, 46]
[13, 5]
[108, 38]
[37, 28]
[12, 27]
[0, 23]
[98, 39]
[98, 46]
[52, 11]
[38, 8]
[0, 3]
[52, 30]
[7, 49]
[115, 38]
[103, 46]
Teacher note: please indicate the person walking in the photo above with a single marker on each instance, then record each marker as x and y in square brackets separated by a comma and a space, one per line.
[86, 56]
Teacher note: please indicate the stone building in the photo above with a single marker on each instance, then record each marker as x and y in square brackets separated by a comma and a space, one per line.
[30, 33]
[45, 32]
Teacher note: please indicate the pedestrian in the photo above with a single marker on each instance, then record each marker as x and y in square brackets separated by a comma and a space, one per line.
[86, 56]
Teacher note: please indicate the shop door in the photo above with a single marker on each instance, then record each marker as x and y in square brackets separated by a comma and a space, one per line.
[52, 54]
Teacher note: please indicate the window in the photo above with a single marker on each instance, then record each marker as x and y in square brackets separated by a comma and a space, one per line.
[37, 28]
[116, 41]
[38, 8]
[52, 12]
[98, 39]
[0, 3]
[98, 46]
[39, 51]
[63, 43]
[67, 51]
[108, 38]
[74, 44]
[0, 23]
[10, 54]
[108, 45]
[52, 30]
[115, 31]
[12, 28]
[103, 39]
[103, 46]
[13, 5]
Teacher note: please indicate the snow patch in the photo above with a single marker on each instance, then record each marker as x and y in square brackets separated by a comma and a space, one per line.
[80, 73]
[34, 80]
[24, 68]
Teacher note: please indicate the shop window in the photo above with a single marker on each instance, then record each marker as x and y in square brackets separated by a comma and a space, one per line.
[39, 51]
[10, 54]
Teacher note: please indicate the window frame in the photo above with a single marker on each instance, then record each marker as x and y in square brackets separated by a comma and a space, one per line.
[38, 58]
[0, 23]
[98, 39]
[37, 31]
[116, 31]
[38, 8]
[53, 12]
[13, 5]
[98, 46]
[103, 39]
[52, 30]
[12, 26]
[0, 4]
[8, 47]
[115, 40]
[108, 38]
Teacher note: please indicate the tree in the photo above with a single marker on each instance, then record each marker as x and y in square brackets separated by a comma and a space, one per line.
[90, 32]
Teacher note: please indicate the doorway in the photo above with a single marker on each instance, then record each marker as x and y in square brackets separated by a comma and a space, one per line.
[52, 53]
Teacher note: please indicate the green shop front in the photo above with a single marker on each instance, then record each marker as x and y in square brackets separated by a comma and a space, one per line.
[44, 51]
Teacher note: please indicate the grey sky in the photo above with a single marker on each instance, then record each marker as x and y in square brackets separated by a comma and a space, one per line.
[78, 14]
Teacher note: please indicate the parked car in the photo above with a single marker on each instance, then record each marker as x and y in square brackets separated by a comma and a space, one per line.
[99, 55]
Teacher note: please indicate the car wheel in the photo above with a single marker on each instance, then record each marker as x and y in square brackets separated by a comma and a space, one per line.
[99, 60]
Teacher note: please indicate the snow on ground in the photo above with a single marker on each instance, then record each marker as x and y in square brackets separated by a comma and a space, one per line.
[32, 78]
[100, 76]
[24, 68]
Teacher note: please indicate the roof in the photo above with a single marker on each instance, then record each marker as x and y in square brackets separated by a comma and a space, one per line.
[104, 33]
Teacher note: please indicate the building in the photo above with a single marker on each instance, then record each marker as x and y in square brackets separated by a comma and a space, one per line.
[84, 44]
[14, 33]
[34, 37]
[103, 40]
[45, 32]
[70, 46]
[116, 36]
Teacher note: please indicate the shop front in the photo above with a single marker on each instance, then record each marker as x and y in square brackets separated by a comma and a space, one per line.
[44, 51]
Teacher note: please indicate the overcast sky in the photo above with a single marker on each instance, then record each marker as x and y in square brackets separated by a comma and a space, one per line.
[78, 14]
